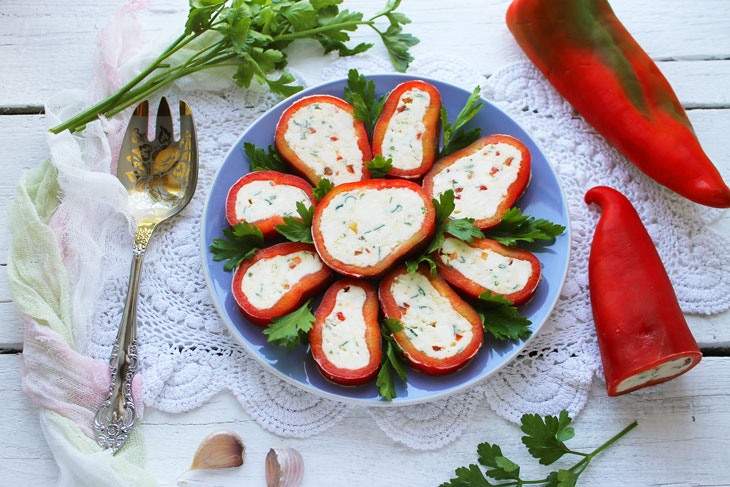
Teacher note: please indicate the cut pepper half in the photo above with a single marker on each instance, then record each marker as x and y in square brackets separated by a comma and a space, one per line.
[345, 338]
[277, 280]
[363, 228]
[441, 332]
[408, 129]
[487, 178]
[320, 138]
[264, 198]
[485, 265]
[642, 334]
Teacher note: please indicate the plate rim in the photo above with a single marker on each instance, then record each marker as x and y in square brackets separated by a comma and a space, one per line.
[233, 330]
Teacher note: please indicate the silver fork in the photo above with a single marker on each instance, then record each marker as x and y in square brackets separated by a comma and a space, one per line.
[160, 176]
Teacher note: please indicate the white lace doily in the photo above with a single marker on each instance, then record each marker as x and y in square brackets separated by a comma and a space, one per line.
[187, 355]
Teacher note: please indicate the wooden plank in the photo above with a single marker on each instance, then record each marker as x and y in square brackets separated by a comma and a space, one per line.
[31, 70]
[681, 440]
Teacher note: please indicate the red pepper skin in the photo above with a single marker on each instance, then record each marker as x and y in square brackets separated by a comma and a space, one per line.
[592, 60]
[419, 237]
[638, 320]
[417, 359]
[288, 154]
[513, 192]
[431, 121]
[267, 226]
[474, 290]
[309, 286]
[348, 377]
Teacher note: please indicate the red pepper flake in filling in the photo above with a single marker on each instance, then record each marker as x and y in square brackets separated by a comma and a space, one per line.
[497, 154]
[458, 190]
[401, 109]
[459, 337]
[508, 162]
[350, 169]
[482, 188]
[334, 139]
[407, 100]
[339, 158]
[436, 348]
[418, 136]
[358, 252]
[340, 316]
[286, 286]
[493, 171]
[312, 130]
[295, 262]
[367, 250]
[327, 171]
[458, 197]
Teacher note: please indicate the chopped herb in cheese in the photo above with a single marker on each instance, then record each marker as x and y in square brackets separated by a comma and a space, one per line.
[667, 369]
[269, 279]
[402, 140]
[259, 200]
[343, 332]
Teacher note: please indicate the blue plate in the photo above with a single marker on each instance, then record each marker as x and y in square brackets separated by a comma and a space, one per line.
[543, 199]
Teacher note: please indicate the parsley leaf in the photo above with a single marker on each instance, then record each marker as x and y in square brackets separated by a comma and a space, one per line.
[469, 476]
[379, 167]
[392, 363]
[396, 41]
[461, 228]
[501, 318]
[360, 93]
[454, 137]
[297, 230]
[323, 187]
[545, 438]
[516, 227]
[501, 467]
[291, 330]
[260, 161]
[238, 244]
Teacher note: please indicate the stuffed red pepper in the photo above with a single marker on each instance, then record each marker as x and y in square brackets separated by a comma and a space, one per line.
[441, 332]
[643, 336]
[263, 198]
[408, 129]
[277, 280]
[485, 265]
[345, 338]
[361, 229]
[487, 177]
[592, 60]
[320, 138]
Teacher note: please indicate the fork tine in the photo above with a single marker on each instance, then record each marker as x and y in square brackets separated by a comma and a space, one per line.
[135, 136]
[163, 127]
[189, 142]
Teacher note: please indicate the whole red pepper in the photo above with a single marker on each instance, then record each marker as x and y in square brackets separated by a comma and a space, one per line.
[643, 336]
[592, 60]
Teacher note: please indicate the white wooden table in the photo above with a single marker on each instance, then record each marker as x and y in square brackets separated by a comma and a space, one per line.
[682, 438]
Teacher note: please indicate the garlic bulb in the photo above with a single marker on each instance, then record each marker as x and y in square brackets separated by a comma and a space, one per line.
[220, 449]
[284, 467]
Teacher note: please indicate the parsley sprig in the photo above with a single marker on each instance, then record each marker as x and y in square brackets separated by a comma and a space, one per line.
[297, 230]
[461, 228]
[290, 330]
[501, 318]
[379, 167]
[516, 227]
[259, 160]
[323, 187]
[392, 363]
[454, 137]
[250, 37]
[238, 244]
[545, 440]
[360, 93]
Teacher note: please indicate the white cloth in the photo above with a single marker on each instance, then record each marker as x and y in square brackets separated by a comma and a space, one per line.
[187, 355]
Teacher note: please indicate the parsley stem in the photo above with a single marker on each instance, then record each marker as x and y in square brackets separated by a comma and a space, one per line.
[324, 28]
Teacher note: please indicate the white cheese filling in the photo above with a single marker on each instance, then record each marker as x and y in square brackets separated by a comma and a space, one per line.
[343, 332]
[489, 269]
[259, 200]
[667, 369]
[362, 227]
[430, 322]
[480, 181]
[268, 280]
[324, 137]
[402, 141]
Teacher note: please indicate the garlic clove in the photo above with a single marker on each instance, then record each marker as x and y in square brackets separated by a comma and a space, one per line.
[220, 449]
[284, 467]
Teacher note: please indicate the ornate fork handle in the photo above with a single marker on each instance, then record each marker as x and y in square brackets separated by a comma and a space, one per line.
[115, 418]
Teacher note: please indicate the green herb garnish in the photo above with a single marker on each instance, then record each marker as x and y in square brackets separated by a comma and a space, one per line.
[261, 161]
[454, 137]
[250, 36]
[392, 359]
[323, 187]
[501, 318]
[461, 228]
[291, 330]
[297, 230]
[545, 440]
[360, 93]
[379, 167]
[516, 227]
[238, 244]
